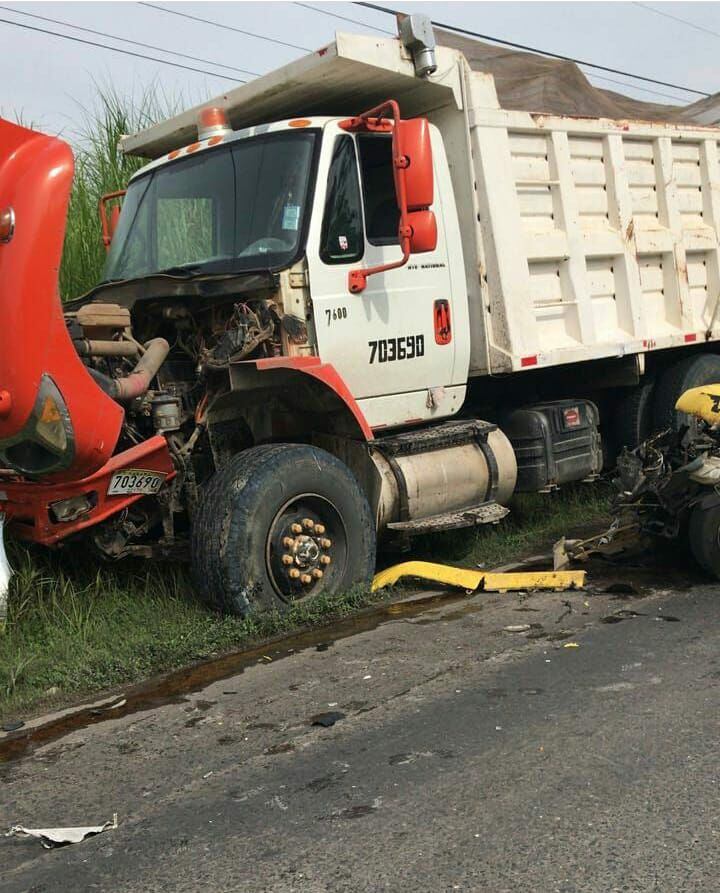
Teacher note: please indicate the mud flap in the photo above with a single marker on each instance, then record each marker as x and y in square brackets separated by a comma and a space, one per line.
[5, 574]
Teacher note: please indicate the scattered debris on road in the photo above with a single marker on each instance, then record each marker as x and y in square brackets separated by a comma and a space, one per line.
[12, 726]
[327, 719]
[517, 628]
[55, 837]
[472, 580]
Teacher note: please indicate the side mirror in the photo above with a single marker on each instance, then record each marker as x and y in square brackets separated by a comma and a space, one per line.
[413, 137]
[109, 223]
[423, 231]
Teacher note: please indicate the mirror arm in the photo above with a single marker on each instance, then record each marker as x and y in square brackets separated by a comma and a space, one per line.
[372, 120]
[102, 210]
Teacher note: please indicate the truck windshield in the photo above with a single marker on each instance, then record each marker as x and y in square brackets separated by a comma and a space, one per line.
[236, 208]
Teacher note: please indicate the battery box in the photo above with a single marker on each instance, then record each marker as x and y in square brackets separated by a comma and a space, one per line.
[555, 443]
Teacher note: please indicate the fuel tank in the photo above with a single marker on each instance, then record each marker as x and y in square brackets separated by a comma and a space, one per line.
[55, 422]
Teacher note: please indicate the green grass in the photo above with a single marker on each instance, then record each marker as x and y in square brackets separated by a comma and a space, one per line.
[100, 168]
[78, 626]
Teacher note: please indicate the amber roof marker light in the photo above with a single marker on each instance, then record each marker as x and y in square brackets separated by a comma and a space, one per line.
[7, 224]
[212, 121]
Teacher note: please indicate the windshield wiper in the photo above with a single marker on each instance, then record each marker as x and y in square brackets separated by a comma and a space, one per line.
[184, 270]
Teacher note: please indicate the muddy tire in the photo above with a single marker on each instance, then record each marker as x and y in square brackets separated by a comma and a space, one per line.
[279, 523]
[704, 538]
[692, 372]
[632, 420]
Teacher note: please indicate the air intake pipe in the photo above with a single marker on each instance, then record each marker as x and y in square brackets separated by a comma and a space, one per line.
[138, 381]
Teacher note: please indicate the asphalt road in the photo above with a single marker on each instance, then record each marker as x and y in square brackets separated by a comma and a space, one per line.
[469, 758]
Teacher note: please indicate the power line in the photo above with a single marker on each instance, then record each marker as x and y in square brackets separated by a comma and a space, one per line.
[596, 76]
[668, 15]
[529, 49]
[336, 15]
[104, 46]
[186, 15]
[147, 46]
[599, 77]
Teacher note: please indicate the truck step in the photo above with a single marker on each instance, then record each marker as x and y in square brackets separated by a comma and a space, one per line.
[486, 513]
[447, 434]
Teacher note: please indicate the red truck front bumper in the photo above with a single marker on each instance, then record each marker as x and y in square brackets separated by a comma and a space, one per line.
[27, 505]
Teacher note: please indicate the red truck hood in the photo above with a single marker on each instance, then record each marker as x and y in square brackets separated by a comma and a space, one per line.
[42, 380]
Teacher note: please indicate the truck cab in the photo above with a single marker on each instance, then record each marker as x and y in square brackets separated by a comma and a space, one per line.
[311, 202]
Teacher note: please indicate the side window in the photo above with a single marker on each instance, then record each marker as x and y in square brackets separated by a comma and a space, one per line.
[382, 216]
[341, 240]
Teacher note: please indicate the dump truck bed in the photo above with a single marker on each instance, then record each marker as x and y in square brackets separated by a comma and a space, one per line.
[583, 238]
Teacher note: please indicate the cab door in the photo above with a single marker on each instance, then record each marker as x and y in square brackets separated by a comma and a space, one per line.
[382, 341]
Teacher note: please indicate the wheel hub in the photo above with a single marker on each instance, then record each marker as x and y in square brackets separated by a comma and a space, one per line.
[306, 551]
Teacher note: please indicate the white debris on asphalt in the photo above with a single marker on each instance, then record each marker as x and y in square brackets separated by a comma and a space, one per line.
[51, 837]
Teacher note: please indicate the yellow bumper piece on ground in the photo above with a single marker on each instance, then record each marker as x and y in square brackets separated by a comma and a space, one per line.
[463, 578]
[703, 402]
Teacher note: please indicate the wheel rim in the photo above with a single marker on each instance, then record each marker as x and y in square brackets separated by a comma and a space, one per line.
[307, 547]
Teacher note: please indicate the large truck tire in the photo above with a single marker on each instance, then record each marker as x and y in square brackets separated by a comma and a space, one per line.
[632, 418]
[692, 372]
[704, 538]
[278, 523]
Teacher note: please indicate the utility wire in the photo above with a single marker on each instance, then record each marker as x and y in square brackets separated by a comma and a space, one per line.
[186, 15]
[599, 77]
[384, 31]
[529, 49]
[668, 15]
[147, 46]
[104, 46]
[336, 15]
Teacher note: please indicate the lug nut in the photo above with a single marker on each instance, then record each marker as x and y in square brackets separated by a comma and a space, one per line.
[308, 523]
[306, 579]
[325, 543]
[317, 573]
[288, 542]
[296, 528]
[320, 529]
[288, 559]
[325, 559]
[294, 573]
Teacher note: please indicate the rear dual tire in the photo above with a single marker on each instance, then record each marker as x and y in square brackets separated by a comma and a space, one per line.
[704, 538]
[279, 523]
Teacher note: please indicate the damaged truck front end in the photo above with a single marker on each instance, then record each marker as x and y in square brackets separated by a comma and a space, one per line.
[59, 430]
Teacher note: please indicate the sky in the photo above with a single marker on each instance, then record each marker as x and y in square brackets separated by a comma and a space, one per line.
[51, 82]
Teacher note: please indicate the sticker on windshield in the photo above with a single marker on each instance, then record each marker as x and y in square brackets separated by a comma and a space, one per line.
[343, 243]
[291, 217]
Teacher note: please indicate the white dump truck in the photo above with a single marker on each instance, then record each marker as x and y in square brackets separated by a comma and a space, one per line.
[353, 298]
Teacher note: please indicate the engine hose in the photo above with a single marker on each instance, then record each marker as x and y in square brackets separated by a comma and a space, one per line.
[138, 381]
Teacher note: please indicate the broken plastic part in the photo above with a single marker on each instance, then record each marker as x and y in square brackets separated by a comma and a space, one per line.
[52, 837]
[485, 580]
[6, 572]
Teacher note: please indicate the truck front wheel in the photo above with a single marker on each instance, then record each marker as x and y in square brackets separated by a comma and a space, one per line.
[278, 523]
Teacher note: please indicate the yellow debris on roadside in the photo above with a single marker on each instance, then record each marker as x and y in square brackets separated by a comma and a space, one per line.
[487, 581]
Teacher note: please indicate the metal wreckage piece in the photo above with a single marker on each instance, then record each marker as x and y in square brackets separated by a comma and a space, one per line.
[671, 477]
[6, 572]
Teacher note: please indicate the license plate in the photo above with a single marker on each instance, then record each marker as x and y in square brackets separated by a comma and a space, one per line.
[135, 480]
